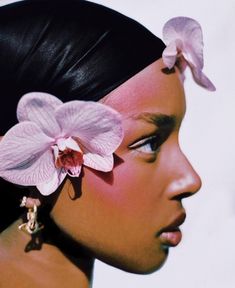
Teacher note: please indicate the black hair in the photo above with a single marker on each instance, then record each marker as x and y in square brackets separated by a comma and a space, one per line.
[73, 49]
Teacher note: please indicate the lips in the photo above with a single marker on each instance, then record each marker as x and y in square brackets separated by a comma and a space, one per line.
[171, 234]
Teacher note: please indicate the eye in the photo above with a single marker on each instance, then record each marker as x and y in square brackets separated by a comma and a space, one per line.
[150, 145]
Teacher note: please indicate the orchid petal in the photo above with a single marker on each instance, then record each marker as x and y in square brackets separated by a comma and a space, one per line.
[74, 171]
[96, 126]
[190, 33]
[183, 36]
[169, 55]
[39, 108]
[72, 144]
[97, 162]
[25, 155]
[201, 79]
[54, 182]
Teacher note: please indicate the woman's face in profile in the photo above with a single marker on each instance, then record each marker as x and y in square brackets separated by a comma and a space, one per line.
[129, 217]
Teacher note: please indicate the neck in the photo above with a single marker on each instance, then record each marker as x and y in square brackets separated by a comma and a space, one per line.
[59, 259]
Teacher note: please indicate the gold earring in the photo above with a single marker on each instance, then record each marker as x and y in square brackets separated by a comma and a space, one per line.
[32, 226]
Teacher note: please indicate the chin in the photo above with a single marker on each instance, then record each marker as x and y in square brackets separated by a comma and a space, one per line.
[143, 265]
[147, 268]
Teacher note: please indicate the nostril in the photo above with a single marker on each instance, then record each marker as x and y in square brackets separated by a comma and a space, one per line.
[181, 196]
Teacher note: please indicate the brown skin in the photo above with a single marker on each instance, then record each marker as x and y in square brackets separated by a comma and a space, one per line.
[117, 216]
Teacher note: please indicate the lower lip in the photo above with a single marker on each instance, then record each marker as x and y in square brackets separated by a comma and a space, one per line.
[171, 238]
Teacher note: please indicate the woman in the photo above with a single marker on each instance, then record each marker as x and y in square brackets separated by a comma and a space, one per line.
[126, 213]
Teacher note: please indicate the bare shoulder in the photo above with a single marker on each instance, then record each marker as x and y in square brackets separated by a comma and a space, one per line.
[7, 270]
[12, 274]
[3, 255]
[10, 268]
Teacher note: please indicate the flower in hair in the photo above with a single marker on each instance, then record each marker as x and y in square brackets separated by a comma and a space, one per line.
[54, 139]
[184, 40]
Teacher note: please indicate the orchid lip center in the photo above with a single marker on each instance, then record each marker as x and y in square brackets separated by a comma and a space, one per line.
[68, 155]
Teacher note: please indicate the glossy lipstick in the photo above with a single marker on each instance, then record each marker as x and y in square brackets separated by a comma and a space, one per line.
[171, 234]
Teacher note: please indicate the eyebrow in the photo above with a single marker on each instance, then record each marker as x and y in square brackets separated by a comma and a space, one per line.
[158, 119]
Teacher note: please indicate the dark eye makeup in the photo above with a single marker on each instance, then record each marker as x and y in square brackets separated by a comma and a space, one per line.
[151, 144]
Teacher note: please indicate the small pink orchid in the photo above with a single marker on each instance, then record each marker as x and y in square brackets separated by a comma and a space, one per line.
[184, 40]
[54, 139]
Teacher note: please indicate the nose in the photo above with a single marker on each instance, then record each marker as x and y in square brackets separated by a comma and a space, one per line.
[184, 181]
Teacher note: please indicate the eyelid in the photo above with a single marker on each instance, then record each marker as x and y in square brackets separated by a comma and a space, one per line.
[160, 135]
[141, 142]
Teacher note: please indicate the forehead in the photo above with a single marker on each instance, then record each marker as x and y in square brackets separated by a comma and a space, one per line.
[153, 91]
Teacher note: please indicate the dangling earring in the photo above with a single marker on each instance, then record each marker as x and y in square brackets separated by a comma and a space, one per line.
[32, 226]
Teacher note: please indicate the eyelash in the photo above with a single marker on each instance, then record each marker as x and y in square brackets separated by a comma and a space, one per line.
[146, 145]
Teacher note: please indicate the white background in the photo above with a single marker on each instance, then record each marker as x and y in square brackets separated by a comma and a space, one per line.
[206, 256]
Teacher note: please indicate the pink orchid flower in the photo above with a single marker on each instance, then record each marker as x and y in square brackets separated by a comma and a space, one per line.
[184, 40]
[54, 139]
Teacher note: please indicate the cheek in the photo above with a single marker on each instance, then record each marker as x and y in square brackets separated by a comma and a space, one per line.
[122, 215]
[131, 190]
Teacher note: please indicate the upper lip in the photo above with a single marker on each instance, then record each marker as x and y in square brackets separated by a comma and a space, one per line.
[175, 223]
